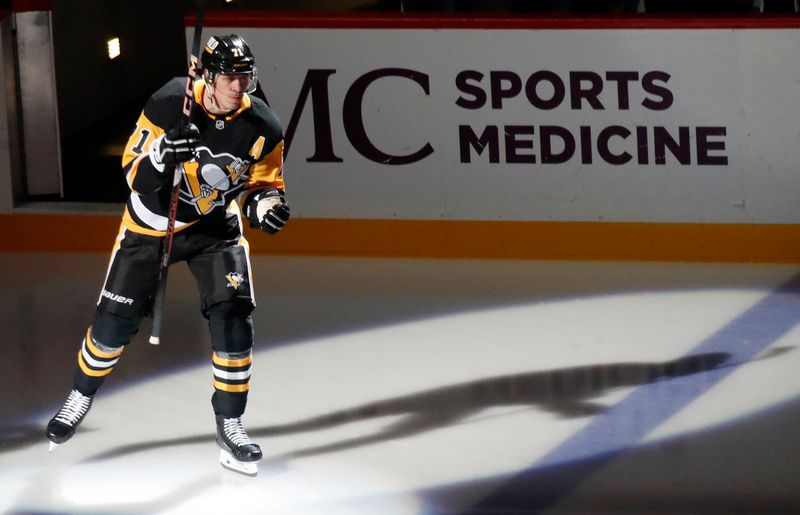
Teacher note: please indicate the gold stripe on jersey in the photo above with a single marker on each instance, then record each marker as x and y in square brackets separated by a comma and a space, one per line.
[138, 144]
[257, 148]
[199, 87]
[268, 171]
[95, 361]
[130, 176]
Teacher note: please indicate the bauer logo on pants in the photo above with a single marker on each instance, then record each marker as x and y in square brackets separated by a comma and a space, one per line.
[234, 279]
[118, 298]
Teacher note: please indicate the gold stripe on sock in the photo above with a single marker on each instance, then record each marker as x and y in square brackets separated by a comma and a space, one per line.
[231, 362]
[234, 388]
[88, 371]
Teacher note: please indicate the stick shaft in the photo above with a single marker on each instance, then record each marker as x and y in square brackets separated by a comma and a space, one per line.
[166, 244]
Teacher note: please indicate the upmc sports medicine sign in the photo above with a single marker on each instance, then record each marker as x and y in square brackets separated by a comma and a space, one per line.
[657, 125]
[519, 141]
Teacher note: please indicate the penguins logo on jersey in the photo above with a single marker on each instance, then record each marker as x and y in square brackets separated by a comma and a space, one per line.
[234, 280]
[211, 180]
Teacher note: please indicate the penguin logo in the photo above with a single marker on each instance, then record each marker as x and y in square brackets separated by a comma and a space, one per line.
[211, 180]
[234, 280]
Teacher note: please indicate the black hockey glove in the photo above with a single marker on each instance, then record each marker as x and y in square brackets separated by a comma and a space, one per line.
[268, 211]
[175, 147]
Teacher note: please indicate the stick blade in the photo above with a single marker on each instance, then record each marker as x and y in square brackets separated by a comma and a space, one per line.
[155, 340]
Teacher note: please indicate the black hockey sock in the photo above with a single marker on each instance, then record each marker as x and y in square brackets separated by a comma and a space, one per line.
[231, 382]
[95, 362]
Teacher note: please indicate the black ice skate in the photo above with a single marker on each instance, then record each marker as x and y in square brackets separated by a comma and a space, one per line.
[237, 452]
[63, 425]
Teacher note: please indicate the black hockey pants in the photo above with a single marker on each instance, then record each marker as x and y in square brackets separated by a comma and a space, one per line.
[217, 255]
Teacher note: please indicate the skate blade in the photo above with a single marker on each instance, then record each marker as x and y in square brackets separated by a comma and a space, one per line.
[53, 445]
[242, 467]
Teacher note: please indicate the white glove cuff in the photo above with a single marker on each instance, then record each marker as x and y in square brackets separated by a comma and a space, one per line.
[265, 204]
[155, 149]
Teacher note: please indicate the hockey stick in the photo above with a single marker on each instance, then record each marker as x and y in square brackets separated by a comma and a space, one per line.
[166, 244]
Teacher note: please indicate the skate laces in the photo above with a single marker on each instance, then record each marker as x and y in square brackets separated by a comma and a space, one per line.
[234, 431]
[74, 408]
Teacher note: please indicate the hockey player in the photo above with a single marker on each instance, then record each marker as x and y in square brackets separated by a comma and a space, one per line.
[231, 156]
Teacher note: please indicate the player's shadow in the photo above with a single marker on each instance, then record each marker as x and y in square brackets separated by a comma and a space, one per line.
[567, 392]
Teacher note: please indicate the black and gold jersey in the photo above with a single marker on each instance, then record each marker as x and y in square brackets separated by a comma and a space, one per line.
[238, 154]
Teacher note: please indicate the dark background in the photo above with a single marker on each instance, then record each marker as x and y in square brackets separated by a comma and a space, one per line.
[99, 99]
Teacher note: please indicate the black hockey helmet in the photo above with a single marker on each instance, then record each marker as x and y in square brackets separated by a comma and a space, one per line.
[229, 55]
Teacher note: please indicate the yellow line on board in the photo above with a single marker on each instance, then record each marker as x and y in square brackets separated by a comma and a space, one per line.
[766, 243]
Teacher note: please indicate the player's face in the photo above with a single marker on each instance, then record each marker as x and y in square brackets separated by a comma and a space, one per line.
[229, 90]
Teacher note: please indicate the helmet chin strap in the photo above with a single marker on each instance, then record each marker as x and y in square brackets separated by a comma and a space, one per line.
[211, 97]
